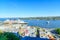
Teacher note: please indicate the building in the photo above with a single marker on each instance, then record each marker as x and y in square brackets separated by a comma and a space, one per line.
[12, 25]
[44, 33]
[28, 31]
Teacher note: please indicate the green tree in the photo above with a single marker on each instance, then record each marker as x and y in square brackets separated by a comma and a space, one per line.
[38, 35]
[58, 30]
[8, 36]
[11, 36]
[3, 37]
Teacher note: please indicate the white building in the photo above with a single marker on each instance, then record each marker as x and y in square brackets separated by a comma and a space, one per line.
[12, 25]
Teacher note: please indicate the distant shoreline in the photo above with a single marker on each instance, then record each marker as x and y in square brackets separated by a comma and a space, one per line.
[42, 18]
[35, 18]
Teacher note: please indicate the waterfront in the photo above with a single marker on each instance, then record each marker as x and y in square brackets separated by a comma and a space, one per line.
[30, 27]
[44, 23]
[40, 23]
[21, 27]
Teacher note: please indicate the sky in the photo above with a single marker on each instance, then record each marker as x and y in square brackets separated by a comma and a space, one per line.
[29, 8]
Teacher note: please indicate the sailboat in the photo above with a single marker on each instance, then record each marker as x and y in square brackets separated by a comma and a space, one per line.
[48, 22]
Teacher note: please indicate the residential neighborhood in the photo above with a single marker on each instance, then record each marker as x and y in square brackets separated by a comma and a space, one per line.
[23, 29]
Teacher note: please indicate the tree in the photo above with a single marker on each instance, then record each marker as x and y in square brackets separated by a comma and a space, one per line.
[3, 37]
[11, 36]
[58, 30]
[38, 35]
[8, 36]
